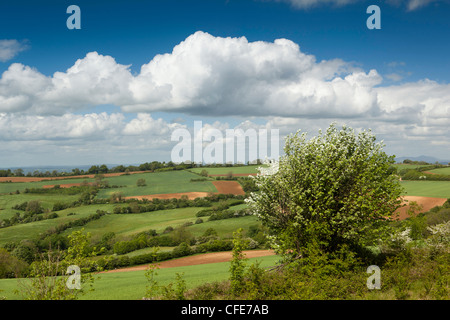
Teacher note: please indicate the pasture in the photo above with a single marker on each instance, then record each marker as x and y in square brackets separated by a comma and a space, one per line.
[156, 183]
[445, 171]
[401, 166]
[434, 189]
[247, 169]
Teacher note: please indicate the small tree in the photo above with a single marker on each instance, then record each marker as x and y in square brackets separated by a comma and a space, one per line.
[141, 183]
[334, 189]
[48, 277]
[34, 207]
[237, 265]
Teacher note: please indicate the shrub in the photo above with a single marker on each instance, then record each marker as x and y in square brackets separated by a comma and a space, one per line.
[182, 250]
[141, 183]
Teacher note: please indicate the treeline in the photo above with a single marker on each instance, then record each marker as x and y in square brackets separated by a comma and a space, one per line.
[74, 223]
[409, 161]
[421, 173]
[149, 205]
[153, 166]
[181, 250]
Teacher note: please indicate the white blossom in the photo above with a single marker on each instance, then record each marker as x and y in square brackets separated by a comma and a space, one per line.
[271, 167]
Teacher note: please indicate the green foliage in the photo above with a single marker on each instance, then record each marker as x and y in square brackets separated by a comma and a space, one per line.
[10, 265]
[182, 250]
[47, 280]
[237, 265]
[141, 183]
[337, 188]
[416, 174]
[156, 291]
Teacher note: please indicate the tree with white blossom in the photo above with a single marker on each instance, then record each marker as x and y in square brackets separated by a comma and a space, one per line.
[337, 188]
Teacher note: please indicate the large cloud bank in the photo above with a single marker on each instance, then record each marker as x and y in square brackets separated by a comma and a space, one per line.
[224, 76]
[212, 76]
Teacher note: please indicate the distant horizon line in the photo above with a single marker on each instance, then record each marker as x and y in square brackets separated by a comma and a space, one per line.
[112, 165]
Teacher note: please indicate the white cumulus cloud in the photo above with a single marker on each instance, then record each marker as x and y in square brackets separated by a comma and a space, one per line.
[212, 76]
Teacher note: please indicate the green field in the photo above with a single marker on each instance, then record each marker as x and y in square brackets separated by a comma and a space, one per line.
[132, 285]
[445, 171]
[128, 224]
[225, 170]
[157, 183]
[401, 166]
[47, 201]
[434, 189]
[7, 187]
[32, 230]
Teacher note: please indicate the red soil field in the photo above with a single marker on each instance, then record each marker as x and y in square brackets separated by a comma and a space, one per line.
[426, 202]
[205, 258]
[227, 187]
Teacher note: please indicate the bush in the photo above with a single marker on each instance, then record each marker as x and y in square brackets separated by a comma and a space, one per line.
[11, 266]
[141, 183]
[182, 250]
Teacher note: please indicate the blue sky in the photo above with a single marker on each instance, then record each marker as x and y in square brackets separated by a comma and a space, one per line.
[394, 80]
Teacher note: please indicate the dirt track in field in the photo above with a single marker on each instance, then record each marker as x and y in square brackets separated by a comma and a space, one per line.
[213, 257]
[426, 202]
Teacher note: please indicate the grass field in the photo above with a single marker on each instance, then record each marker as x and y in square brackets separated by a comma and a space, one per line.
[47, 201]
[445, 171]
[127, 224]
[132, 285]
[157, 183]
[435, 189]
[225, 170]
[401, 166]
[224, 228]
[7, 187]
[33, 229]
